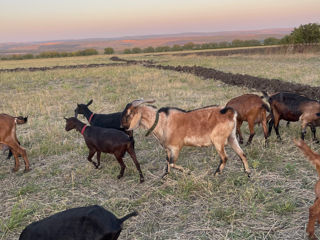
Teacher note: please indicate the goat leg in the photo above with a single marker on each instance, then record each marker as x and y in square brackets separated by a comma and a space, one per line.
[122, 165]
[91, 154]
[132, 153]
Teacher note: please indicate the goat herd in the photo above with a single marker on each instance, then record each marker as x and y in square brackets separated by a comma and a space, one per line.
[173, 128]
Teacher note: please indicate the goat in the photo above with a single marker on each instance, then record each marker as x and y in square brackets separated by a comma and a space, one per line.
[112, 120]
[82, 223]
[293, 107]
[8, 138]
[314, 210]
[175, 128]
[107, 140]
[20, 120]
[252, 109]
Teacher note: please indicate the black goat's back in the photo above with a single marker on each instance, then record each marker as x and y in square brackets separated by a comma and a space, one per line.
[83, 223]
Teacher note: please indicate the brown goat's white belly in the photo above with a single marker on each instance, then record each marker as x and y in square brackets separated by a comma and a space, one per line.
[197, 141]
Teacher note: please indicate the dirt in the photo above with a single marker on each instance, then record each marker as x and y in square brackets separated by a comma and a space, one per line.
[33, 69]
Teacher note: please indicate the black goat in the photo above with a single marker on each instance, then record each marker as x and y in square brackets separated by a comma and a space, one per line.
[83, 223]
[107, 140]
[112, 120]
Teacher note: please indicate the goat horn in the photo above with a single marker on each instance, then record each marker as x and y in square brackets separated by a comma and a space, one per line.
[136, 103]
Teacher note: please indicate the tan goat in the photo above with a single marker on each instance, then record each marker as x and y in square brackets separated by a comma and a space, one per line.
[314, 210]
[175, 128]
[8, 137]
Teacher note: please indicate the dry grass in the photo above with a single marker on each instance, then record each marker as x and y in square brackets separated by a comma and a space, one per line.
[298, 68]
[272, 204]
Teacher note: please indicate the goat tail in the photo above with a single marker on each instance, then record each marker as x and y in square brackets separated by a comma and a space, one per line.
[229, 112]
[21, 120]
[265, 95]
[133, 214]
[266, 107]
[311, 155]
[226, 109]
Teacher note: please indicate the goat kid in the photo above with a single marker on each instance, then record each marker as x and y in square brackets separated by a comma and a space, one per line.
[112, 120]
[82, 223]
[20, 120]
[107, 140]
[175, 128]
[8, 138]
[293, 107]
[250, 108]
[314, 210]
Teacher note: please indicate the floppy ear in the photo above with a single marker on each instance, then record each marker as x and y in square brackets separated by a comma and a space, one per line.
[89, 103]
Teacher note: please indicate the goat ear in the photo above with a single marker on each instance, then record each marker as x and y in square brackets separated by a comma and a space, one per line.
[89, 103]
[65, 118]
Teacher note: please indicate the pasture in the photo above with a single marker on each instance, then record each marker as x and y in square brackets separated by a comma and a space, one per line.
[272, 204]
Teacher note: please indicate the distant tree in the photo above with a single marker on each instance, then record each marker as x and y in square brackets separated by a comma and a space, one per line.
[108, 50]
[148, 50]
[271, 41]
[308, 33]
[251, 42]
[237, 43]
[86, 52]
[223, 44]
[176, 47]
[188, 46]
[136, 50]
[127, 51]
[162, 49]
[286, 40]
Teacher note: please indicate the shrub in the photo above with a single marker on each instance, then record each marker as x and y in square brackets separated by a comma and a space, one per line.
[108, 50]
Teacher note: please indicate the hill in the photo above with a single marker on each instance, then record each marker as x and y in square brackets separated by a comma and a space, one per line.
[138, 41]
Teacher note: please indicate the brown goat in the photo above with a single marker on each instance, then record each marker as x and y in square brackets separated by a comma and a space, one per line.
[107, 140]
[293, 107]
[314, 210]
[8, 137]
[175, 128]
[251, 109]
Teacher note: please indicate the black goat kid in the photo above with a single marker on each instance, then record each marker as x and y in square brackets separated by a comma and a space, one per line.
[112, 120]
[105, 140]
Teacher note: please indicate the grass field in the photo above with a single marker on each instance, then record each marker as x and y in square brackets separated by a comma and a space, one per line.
[272, 204]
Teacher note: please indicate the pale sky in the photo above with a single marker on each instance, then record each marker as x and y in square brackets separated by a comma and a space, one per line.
[41, 20]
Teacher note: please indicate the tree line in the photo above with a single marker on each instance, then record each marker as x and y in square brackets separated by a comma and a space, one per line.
[308, 33]
[51, 54]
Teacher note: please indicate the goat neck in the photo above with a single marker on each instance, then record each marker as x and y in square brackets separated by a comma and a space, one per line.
[79, 126]
[88, 114]
[148, 117]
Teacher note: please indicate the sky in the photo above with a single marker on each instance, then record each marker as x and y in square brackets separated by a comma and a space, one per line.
[44, 20]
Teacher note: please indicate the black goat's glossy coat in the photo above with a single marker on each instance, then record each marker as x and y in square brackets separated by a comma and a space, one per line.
[83, 223]
[112, 120]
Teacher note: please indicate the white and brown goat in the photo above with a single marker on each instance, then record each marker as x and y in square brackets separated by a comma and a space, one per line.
[175, 128]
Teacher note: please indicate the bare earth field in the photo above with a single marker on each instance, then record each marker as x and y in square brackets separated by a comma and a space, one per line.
[272, 204]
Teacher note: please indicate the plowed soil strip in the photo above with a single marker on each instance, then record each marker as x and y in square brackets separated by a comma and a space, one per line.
[33, 69]
[243, 80]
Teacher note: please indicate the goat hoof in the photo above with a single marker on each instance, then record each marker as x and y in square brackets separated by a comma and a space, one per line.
[141, 180]
[163, 175]
[15, 169]
[27, 170]
[119, 176]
